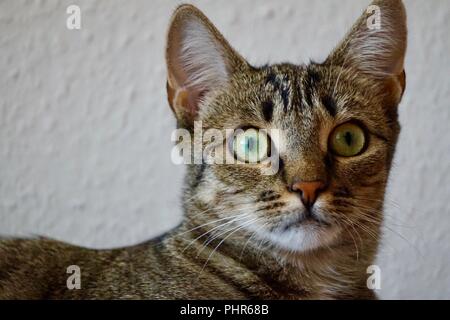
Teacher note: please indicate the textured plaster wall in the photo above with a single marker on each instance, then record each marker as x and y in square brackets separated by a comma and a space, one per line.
[85, 128]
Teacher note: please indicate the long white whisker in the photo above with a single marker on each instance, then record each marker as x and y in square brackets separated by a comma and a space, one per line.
[232, 232]
[239, 217]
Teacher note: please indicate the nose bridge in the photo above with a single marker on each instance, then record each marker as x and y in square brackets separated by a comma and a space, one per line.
[309, 169]
[306, 165]
[304, 158]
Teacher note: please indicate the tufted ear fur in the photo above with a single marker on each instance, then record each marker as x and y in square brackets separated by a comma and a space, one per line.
[199, 62]
[376, 44]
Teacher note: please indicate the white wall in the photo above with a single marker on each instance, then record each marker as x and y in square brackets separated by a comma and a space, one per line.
[85, 127]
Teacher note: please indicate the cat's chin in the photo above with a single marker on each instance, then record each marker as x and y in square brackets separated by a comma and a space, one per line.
[306, 236]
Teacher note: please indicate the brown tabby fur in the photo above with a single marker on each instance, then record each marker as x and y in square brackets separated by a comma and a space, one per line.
[306, 102]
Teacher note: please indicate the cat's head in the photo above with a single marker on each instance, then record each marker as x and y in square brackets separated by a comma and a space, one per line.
[337, 122]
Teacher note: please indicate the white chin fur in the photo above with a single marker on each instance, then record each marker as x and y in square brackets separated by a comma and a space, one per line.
[301, 238]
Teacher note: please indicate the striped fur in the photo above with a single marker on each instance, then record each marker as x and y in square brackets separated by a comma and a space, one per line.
[242, 236]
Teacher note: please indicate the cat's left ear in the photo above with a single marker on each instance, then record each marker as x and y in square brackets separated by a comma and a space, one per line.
[199, 62]
[376, 45]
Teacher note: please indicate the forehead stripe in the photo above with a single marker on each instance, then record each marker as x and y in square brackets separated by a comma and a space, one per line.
[267, 110]
[280, 85]
[310, 81]
[329, 104]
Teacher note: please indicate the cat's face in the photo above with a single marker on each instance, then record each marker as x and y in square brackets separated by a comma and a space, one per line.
[350, 188]
[337, 124]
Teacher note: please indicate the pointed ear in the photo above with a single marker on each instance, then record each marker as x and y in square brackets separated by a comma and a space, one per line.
[376, 44]
[199, 62]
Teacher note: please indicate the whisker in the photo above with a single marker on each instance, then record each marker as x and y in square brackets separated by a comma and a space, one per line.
[214, 237]
[207, 223]
[232, 232]
[354, 240]
[239, 217]
[249, 239]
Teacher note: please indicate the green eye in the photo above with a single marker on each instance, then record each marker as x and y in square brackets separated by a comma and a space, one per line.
[251, 146]
[347, 140]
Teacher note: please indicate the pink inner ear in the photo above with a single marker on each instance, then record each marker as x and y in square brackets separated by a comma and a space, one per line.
[194, 99]
[188, 100]
[199, 61]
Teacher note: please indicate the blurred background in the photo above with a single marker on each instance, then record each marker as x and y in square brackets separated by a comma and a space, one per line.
[85, 126]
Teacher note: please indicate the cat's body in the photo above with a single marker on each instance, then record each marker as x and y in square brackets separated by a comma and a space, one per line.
[160, 269]
[310, 230]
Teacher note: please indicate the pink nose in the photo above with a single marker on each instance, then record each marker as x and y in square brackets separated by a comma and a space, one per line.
[309, 190]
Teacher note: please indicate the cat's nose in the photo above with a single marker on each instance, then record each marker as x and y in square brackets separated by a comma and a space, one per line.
[309, 190]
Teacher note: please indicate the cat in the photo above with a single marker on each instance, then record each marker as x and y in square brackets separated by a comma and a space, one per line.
[309, 230]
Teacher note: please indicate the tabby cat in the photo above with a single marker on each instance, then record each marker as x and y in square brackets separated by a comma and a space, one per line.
[309, 230]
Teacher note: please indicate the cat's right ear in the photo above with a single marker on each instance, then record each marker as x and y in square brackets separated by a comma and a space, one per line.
[199, 62]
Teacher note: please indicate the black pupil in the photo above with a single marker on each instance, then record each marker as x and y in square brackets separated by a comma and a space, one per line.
[348, 138]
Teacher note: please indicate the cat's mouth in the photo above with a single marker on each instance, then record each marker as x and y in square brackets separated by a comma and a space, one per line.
[302, 231]
[307, 218]
[304, 219]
